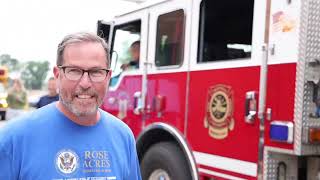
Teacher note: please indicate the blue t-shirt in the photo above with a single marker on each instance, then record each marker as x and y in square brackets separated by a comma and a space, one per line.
[47, 145]
[45, 100]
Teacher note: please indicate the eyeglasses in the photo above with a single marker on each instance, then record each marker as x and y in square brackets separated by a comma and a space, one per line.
[75, 74]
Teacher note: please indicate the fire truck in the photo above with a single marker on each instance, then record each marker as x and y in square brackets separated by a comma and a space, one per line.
[3, 92]
[223, 89]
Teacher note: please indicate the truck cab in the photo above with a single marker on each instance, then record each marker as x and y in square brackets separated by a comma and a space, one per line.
[222, 89]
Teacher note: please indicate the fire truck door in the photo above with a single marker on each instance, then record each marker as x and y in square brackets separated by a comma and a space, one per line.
[128, 47]
[225, 61]
[167, 63]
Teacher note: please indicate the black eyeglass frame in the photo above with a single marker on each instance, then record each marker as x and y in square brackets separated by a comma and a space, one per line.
[84, 71]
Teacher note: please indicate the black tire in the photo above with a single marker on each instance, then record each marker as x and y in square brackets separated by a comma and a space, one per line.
[169, 159]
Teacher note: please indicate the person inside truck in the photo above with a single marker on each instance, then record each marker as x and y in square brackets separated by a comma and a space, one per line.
[135, 56]
[72, 138]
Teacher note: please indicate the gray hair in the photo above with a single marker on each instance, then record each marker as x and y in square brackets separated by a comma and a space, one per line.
[80, 37]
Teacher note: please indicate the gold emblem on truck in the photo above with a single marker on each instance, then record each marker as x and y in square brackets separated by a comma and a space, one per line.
[219, 112]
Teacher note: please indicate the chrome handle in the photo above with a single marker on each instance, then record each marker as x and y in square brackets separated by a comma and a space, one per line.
[269, 114]
[111, 100]
[250, 107]
[137, 104]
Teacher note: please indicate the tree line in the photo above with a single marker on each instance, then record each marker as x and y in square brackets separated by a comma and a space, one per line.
[33, 73]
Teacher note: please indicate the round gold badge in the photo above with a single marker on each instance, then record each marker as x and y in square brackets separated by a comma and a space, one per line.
[219, 113]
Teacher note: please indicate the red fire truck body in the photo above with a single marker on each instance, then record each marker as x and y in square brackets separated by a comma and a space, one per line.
[222, 89]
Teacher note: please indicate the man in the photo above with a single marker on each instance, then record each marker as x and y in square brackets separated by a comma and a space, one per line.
[135, 55]
[52, 95]
[17, 100]
[72, 138]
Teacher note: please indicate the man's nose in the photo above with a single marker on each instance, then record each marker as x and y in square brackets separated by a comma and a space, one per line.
[85, 81]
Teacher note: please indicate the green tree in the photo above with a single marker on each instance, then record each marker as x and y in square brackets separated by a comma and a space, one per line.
[34, 74]
[11, 63]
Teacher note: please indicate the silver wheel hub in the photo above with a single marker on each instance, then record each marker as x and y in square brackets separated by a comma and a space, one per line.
[159, 174]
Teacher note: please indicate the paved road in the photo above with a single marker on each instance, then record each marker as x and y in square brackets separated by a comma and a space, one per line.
[2, 123]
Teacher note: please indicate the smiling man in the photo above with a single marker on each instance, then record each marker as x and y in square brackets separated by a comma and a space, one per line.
[72, 138]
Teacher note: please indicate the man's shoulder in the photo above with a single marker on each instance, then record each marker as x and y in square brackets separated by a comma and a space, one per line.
[24, 128]
[16, 128]
[115, 123]
[112, 119]
[29, 121]
[44, 97]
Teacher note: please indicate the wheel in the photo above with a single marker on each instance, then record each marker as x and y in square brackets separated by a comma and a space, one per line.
[165, 161]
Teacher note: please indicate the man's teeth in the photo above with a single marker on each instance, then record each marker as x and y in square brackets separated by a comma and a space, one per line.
[84, 96]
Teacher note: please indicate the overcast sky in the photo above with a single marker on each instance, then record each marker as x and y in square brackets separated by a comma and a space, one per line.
[32, 29]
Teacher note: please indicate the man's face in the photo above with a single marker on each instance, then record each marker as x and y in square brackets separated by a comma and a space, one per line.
[135, 52]
[52, 88]
[82, 97]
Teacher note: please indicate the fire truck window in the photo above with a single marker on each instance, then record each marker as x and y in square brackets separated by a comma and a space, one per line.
[125, 39]
[225, 31]
[170, 39]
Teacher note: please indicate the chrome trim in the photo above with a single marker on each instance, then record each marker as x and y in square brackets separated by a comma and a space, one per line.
[179, 138]
[272, 157]
[188, 61]
[263, 81]
[306, 75]
[261, 108]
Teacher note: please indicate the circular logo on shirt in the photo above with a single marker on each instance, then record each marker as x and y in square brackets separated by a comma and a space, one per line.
[67, 161]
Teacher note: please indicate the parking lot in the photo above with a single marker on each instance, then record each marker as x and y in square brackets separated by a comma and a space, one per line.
[2, 123]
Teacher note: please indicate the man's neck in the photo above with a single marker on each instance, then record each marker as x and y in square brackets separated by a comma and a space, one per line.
[89, 120]
[52, 94]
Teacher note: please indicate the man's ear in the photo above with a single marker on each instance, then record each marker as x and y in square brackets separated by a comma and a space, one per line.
[56, 72]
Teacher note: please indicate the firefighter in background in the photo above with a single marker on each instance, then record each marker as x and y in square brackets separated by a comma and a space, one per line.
[17, 100]
[135, 55]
